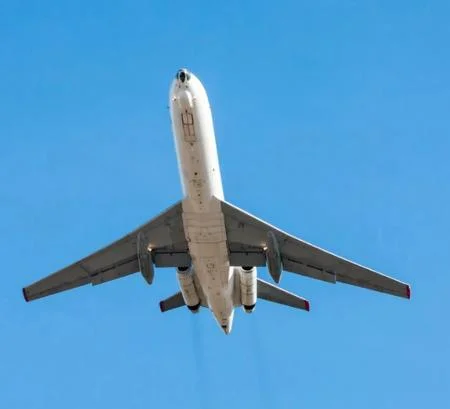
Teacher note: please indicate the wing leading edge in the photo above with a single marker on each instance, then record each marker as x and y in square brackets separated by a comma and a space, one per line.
[164, 235]
[247, 237]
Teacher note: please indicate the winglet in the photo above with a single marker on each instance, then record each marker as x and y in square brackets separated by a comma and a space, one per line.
[408, 292]
[25, 296]
[307, 305]
[161, 306]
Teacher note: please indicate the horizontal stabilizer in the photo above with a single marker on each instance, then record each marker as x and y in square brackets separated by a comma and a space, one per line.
[270, 292]
[174, 301]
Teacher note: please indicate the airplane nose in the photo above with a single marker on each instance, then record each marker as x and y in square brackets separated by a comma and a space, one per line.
[183, 75]
[226, 329]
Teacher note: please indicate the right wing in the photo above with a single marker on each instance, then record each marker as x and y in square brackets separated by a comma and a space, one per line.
[164, 235]
[247, 238]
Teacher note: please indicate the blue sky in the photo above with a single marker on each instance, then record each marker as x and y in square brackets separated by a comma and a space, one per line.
[332, 120]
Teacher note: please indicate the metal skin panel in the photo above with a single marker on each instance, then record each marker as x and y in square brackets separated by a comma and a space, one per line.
[240, 258]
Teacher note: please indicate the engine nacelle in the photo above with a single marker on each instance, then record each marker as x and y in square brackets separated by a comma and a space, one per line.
[247, 276]
[185, 276]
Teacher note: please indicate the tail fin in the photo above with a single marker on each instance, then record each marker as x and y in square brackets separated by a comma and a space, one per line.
[270, 292]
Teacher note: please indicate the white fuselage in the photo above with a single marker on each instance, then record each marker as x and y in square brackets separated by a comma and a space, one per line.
[203, 220]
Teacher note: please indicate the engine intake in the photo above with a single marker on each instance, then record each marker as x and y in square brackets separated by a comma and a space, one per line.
[249, 308]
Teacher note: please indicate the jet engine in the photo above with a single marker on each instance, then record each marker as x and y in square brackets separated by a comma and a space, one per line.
[185, 276]
[247, 277]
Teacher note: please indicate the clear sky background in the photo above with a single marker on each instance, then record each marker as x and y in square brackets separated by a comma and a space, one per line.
[332, 120]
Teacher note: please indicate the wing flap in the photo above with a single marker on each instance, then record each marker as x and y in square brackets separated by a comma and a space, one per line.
[55, 284]
[130, 267]
[402, 290]
[303, 269]
[171, 259]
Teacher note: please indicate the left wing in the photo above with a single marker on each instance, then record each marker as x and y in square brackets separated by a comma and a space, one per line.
[164, 235]
[247, 239]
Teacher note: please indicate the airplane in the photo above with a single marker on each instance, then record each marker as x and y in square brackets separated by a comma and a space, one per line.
[214, 246]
